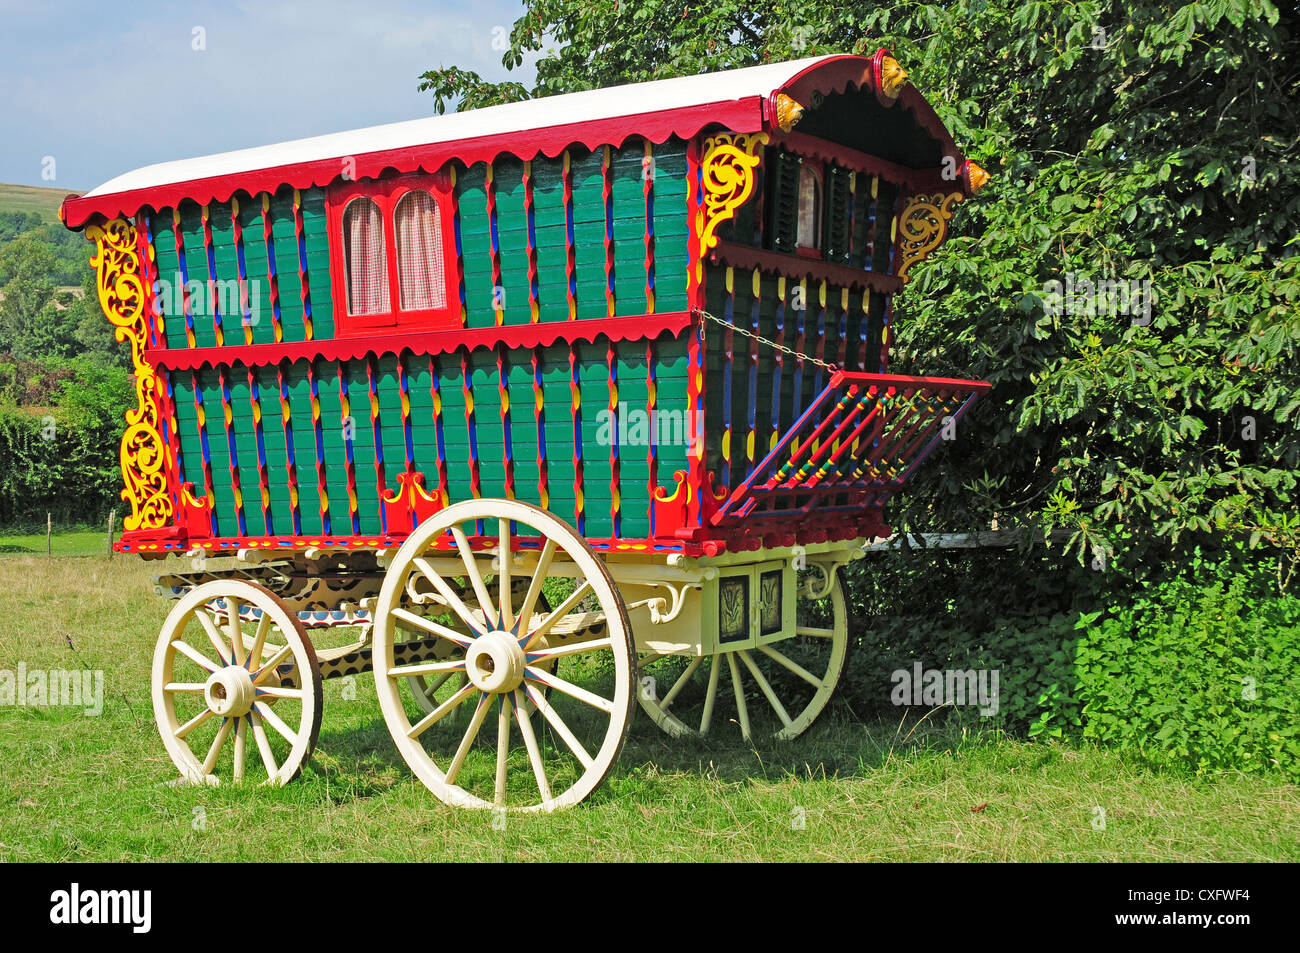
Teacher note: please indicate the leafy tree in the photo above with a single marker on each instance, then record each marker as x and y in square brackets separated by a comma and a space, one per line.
[1139, 142]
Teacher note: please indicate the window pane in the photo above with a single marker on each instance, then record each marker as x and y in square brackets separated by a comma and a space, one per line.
[364, 258]
[419, 253]
[809, 233]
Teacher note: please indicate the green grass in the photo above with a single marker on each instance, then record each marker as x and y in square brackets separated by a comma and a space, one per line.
[76, 542]
[91, 788]
[32, 198]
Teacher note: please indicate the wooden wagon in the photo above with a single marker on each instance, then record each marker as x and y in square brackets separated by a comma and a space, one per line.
[538, 411]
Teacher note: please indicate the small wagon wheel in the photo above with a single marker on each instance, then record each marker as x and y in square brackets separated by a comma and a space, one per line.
[234, 672]
[777, 689]
[551, 749]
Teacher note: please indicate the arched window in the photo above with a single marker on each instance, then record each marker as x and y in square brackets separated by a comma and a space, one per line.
[808, 233]
[364, 258]
[420, 267]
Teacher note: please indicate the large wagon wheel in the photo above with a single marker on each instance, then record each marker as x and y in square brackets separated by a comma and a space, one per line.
[776, 690]
[536, 763]
[222, 683]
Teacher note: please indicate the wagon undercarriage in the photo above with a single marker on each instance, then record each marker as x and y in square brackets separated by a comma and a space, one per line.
[542, 653]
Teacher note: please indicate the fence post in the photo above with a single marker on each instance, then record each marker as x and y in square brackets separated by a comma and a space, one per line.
[112, 515]
[49, 534]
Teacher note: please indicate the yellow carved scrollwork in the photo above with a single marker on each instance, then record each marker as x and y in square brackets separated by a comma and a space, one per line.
[122, 295]
[922, 227]
[729, 163]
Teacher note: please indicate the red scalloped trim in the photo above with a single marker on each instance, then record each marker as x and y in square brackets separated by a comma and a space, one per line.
[742, 115]
[542, 334]
[793, 266]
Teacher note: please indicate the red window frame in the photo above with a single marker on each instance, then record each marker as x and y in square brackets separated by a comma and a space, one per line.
[386, 193]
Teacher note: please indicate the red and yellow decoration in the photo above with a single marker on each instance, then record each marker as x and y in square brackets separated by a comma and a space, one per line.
[124, 296]
[728, 167]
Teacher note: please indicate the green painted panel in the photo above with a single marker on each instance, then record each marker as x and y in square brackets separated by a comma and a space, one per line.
[256, 270]
[284, 241]
[304, 443]
[166, 264]
[196, 269]
[363, 446]
[316, 238]
[476, 245]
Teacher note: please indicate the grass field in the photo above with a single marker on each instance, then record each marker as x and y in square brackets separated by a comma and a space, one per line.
[31, 198]
[91, 788]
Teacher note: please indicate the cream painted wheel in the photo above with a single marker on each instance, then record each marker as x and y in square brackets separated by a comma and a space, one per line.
[776, 690]
[234, 699]
[549, 750]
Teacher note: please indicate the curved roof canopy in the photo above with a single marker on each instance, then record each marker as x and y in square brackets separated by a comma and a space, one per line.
[742, 100]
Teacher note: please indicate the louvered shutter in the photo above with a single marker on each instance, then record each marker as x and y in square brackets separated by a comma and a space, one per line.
[838, 199]
[782, 200]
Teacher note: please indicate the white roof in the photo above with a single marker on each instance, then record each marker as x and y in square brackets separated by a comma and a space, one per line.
[565, 109]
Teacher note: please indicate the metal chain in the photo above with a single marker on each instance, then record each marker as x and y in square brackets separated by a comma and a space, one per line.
[762, 340]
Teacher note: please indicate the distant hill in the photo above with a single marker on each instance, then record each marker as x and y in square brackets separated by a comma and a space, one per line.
[31, 198]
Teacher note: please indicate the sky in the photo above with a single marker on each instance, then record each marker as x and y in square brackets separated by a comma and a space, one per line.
[89, 90]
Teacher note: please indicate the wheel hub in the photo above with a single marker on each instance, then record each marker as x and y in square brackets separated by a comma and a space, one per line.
[229, 692]
[495, 663]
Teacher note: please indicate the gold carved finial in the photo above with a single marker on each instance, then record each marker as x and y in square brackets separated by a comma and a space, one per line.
[728, 167]
[119, 279]
[978, 177]
[892, 77]
[922, 227]
[788, 112]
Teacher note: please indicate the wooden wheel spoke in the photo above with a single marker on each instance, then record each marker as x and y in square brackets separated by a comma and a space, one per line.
[209, 626]
[263, 745]
[259, 640]
[185, 688]
[814, 631]
[218, 742]
[241, 739]
[560, 728]
[235, 630]
[281, 653]
[438, 713]
[475, 577]
[765, 687]
[503, 752]
[506, 618]
[277, 691]
[710, 696]
[530, 745]
[535, 586]
[791, 665]
[427, 668]
[433, 628]
[458, 760]
[739, 690]
[563, 609]
[448, 595]
[194, 722]
[682, 679]
[570, 689]
[274, 720]
[194, 655]
[573, 648]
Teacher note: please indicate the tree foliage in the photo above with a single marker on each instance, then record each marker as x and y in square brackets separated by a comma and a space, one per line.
[1134, 142]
